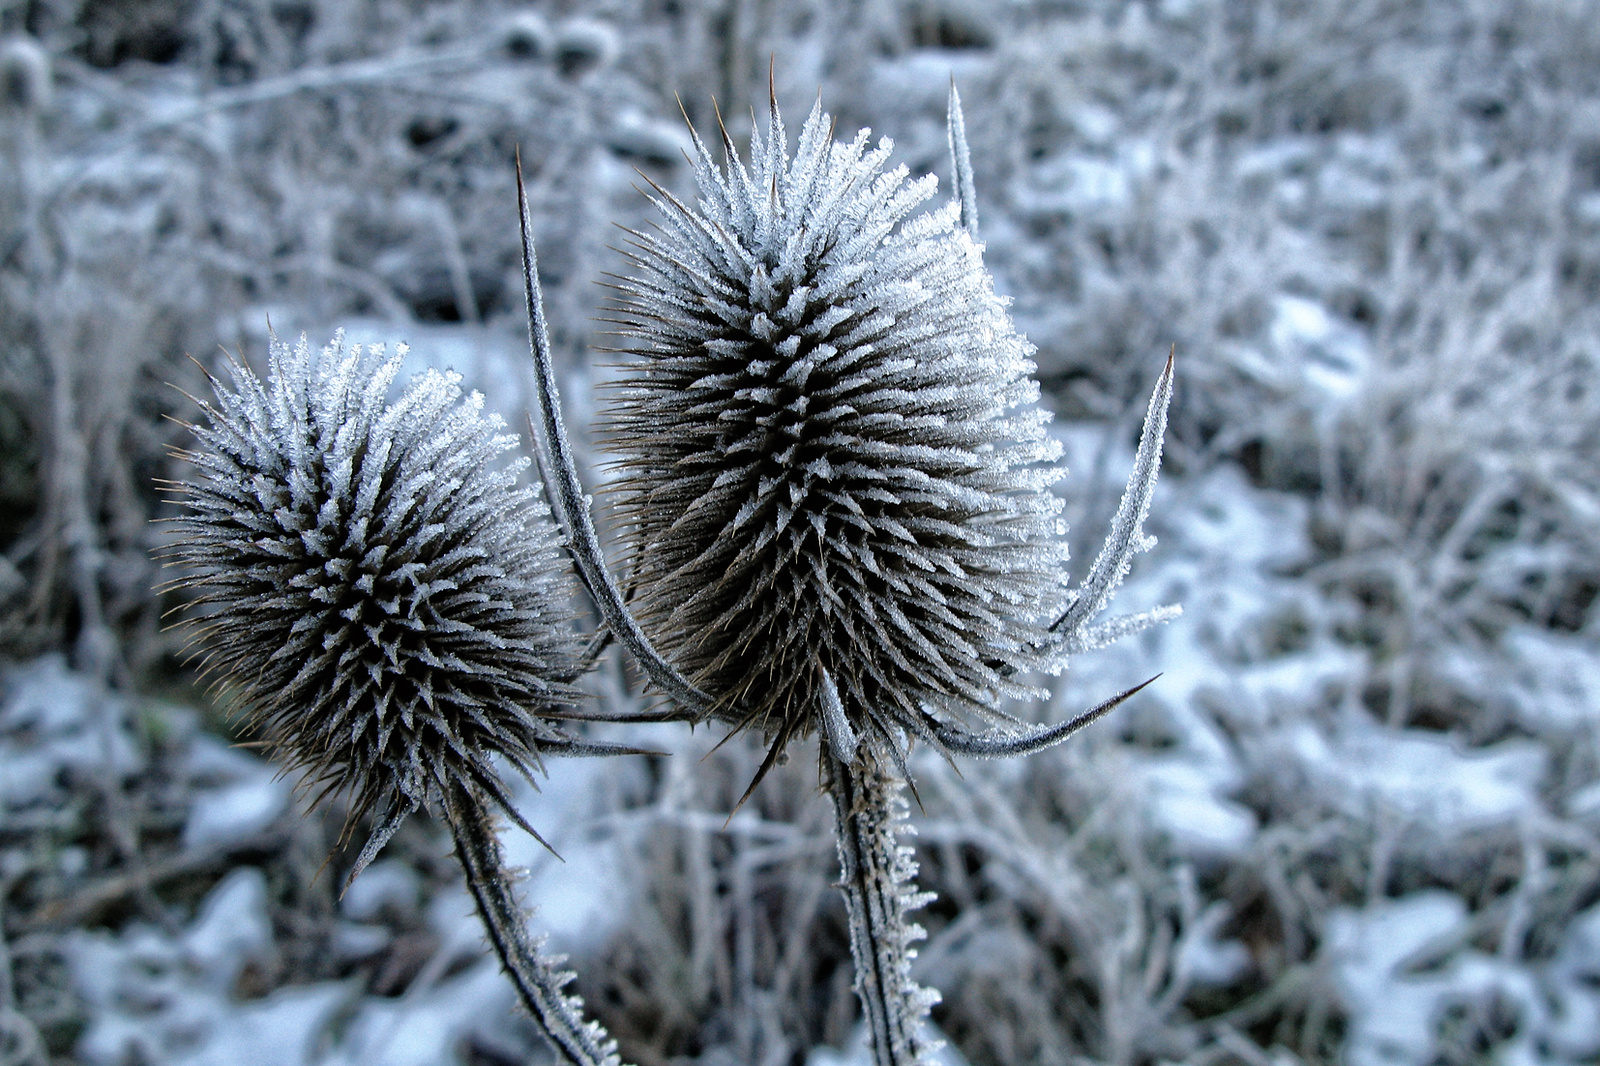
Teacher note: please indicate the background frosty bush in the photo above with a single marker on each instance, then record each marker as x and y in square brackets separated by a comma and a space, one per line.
[1356, 819]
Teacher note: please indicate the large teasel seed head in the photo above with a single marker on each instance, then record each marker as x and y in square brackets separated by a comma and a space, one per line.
[833, 475]
[371, 583]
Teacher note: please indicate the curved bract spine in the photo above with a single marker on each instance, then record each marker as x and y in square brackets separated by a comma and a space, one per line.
[571, 503]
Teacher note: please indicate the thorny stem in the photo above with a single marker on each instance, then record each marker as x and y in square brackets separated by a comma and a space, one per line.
[879, 891]
[538, 978]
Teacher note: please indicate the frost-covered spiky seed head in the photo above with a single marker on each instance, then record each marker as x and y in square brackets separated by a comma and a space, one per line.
[377, 589]
[833, 474]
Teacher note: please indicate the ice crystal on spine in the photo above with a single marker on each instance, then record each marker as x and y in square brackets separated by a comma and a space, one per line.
[834, 475]
[381, 594]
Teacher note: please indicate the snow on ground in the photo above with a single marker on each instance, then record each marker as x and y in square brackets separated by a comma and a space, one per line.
[168, 992]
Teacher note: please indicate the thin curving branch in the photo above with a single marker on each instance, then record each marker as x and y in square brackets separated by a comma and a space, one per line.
[569, 501]
[538, 978]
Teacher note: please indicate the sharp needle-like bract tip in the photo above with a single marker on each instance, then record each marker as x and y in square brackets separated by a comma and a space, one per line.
[727, 140]
[1000, 745]
[961, 162]
[835, 723]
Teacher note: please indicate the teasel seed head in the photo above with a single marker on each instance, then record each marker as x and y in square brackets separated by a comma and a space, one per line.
[834, 476]
[372, 584]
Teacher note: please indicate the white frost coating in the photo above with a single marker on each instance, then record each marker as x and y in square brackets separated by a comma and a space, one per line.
[1419, 777]
[1394, 1016]
[388, 601]
[169, 1000]
[1332, 358]
[1572, 980]
[961, 163]
[583, 896]
[159, 999]
[540, 979]
[387, 884]
[1127, 536]
[858, 1052]
[232, 928]
[1186, 798]
[1101, 634]
[1398, 969]
[878, 877]
[427, 1028]
[836, 724]
[54, 718]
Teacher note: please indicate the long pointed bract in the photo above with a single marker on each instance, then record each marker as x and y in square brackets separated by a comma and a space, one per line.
[1127, 537]
[1001, 744]
[569, 501]
[961, 163]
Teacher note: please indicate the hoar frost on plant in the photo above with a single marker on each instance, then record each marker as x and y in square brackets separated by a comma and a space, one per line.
[393, 608]
[385, 599]
[834, 479]
[834, 489]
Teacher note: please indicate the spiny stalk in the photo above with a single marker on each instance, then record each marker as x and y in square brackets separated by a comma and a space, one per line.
[877, 876]
[539, 978]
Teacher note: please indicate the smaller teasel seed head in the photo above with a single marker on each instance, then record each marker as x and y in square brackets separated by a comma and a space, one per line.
[371, 583]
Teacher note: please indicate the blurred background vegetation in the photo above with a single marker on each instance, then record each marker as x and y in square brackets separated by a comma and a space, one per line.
[1359, 818]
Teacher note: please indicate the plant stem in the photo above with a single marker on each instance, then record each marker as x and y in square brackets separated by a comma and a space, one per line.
[538, 978]
[879, 891]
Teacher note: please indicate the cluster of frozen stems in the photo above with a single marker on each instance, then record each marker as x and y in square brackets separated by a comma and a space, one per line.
[835, 502]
